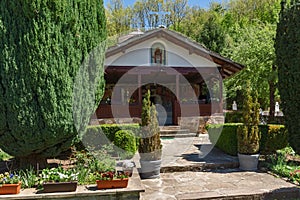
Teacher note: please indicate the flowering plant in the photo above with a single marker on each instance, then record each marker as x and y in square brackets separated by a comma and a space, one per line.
[111, 175]
[8, 178]
[58, 175]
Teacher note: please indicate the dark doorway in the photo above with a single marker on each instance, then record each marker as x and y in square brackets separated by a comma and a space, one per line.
[163, 98]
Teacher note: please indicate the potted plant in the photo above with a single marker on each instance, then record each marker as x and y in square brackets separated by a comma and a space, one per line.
[150, 148]
[9, 183]
[108, 180]
[248, 134]
[58, 180]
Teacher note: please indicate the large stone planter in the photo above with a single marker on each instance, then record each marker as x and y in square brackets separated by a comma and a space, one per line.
[248, 162]
[150, 169]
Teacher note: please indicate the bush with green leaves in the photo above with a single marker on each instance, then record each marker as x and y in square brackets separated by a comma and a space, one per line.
[287, 45]
[273, 137]
[126, 140]
[100, 135]
[280, 165]
[43, 103]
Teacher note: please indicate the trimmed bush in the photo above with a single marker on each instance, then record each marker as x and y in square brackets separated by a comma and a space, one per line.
[111, 129]
[273, 137]
[97, 136]
[125, 140]
[227, 141]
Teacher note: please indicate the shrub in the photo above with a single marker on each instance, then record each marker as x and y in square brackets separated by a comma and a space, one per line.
[276, 137]
[227, 140]
[273, 137]
[97, 136]
[248, 134]
[150, 147]
[110, 129]
[234, 117]
[125, 140]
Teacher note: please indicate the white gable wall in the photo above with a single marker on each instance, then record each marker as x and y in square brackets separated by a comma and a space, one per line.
[139, 55]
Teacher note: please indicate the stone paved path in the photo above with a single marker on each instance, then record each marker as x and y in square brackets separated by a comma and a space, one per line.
[221, 184]
[195, 176]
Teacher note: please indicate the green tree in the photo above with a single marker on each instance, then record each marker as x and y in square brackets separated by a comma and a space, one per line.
[254, 47]
[287, 47]
[43, 43]
[119, 18]
[213, 34]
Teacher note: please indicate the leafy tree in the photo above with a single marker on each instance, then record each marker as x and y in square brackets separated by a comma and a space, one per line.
[119, 18]
[213, 34]
[255, 49]
[287, 47]
[42, 46]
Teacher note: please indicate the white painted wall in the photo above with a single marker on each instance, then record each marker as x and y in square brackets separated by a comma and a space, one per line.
[139, 55]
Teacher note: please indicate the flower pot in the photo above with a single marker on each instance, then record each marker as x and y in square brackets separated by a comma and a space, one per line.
[108, 184]
[60, 187]
[248, 162]
[10, 188]
[150, 169]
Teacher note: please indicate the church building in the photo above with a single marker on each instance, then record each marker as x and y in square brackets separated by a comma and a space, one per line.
[185, 79]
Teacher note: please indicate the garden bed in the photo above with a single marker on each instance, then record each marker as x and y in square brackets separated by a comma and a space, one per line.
[86, 192]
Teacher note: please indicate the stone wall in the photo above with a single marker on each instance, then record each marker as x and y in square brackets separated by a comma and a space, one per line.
[197, 124]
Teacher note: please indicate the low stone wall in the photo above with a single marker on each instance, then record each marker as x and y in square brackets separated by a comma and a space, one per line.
[197, 124]
[132, 192]
[115, 121]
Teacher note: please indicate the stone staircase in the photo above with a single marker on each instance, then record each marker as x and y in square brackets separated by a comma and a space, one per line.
[175, 131]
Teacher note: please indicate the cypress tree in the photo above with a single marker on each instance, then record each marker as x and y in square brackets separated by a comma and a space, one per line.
[43, 101]
[287, 45]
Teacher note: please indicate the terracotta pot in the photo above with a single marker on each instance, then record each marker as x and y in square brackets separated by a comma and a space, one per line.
[10, 188]
[60, 187]
[116, 183]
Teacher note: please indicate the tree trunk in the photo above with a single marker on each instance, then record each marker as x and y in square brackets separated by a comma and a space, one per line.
[272, 88]
[34, 161]
[272, 101]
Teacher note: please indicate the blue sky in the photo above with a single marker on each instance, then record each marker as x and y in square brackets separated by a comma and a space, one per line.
[201, 3]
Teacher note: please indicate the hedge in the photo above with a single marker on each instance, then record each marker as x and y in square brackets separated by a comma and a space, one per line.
[273, 137]
[99, 135]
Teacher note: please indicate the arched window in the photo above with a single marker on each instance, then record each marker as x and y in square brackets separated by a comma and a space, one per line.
[158, 54]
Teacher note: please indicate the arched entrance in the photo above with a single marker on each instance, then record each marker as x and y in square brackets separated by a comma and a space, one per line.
[164, 100]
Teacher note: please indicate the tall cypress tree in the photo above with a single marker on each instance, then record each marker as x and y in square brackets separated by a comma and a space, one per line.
[44, 85]
[287, 47]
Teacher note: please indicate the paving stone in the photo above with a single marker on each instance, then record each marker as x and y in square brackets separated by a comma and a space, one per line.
[216, 176]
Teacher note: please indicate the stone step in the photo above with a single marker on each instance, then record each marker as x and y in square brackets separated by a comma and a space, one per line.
[169, 128]
[176, 133]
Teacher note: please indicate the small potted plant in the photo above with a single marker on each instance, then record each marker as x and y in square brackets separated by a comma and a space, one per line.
[108, 180]
[150, 147]
[248, 134]
[9, 183]
[58, 180]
